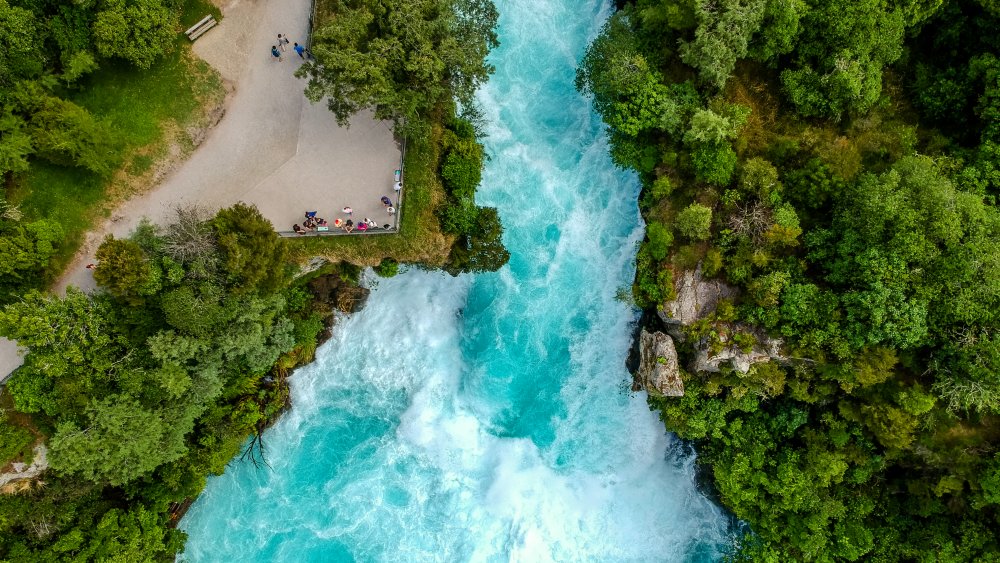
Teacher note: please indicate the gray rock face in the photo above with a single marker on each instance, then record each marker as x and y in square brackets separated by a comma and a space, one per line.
[39, 464]
[659, 372]
[696, 298]
[764, 350]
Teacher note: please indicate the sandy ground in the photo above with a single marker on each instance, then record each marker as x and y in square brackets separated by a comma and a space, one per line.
[272, 148]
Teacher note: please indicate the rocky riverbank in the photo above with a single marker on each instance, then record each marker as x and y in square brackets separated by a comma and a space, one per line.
[695, 333]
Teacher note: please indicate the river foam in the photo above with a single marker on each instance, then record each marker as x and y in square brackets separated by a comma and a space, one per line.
[485, 418]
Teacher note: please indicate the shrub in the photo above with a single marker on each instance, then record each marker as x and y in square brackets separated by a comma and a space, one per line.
[139, 31]
[15, 442]
[694, 222]
[387, 268]
[714, 163]
[660, 239]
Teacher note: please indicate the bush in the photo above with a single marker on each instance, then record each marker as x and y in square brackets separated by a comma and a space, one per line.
[656, 192]
[387, 268]
[125, 271]
[694, 222]
[660, 239]
[481, 250]
[65, 133]
[714, 163]
[15, 442]
[139, 31]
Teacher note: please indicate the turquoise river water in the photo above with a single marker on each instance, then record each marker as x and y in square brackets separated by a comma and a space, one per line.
[486, 418]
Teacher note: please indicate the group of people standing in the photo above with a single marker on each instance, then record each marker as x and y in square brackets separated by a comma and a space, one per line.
[348, 225]
[277, 50]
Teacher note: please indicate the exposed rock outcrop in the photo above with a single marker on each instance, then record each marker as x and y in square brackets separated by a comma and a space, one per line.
[341, 296]
[22, 472]
[696, 299]
[659, 371]
[764, 349]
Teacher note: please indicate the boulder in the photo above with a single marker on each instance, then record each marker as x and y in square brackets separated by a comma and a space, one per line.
[765, 349]
[696, 299]
[659, 371]
[339, 295]
[39, 463]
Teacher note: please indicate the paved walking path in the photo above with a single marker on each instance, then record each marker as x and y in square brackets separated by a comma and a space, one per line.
[273, 148]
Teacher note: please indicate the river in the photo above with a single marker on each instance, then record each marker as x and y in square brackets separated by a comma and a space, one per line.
[486, 418]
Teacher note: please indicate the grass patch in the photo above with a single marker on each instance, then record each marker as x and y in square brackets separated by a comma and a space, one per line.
[135, 103]
[420, 238]
[195, 10]
[141, 163]
[146, 111]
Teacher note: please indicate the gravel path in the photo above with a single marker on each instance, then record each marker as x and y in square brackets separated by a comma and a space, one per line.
[272, 148]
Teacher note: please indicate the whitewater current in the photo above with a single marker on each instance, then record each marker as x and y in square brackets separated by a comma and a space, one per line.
[486, 417]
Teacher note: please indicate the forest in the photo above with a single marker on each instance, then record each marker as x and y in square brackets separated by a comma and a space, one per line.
[837, 164]
[178, 362]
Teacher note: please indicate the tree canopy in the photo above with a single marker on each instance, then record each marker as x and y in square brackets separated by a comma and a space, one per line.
[149, 385]
[400, 58]
[835, 164]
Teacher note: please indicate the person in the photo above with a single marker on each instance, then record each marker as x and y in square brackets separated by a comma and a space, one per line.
[397, 186]
[387, 226]
[338, 222]
[348, 226]
[300, 50]
[362, 226]
[282, 41]
[275, 52]
[348, 211]
[391, 210]
[371, 223]
[321, 222]
[298, 229]
[91, 266]
[309, 223]
[386, 201]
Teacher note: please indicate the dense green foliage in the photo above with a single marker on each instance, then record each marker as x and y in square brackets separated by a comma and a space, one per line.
[400, 58]
[479, 247]
[53, 43]
[15, 442]
[144, 389]
[858, 220]
[61, 66]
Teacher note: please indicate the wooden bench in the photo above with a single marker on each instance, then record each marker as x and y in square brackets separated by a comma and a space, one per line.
[199, 29]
